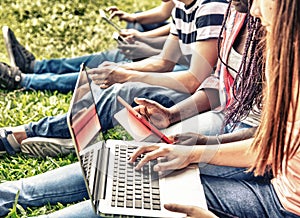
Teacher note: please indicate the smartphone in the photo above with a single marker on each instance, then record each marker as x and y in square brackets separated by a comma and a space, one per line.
[119, 39]
[104, 17]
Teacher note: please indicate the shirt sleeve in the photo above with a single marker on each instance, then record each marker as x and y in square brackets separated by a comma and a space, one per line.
[209, 19]
[211, 82]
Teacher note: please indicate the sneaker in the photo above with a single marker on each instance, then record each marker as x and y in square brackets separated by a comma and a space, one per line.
[10, 77]
[8, 142]
[43, 147]
[19, 56]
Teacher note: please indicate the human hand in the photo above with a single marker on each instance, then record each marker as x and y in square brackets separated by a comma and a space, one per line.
[157, 114]
[138, 50]
[190, 211]
[176, 156]
[122, 15]
[107, 74]
[189, 138]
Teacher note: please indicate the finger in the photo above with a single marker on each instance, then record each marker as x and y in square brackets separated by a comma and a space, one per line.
[154, 154]
[111, 8]
[125, 47]
[104, 86]
[178, 208]
[174, 138]
[141, 150]
[99, 76]
[116, 14]
[144, 101]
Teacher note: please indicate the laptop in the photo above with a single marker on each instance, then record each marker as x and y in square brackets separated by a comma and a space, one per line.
[114, 186]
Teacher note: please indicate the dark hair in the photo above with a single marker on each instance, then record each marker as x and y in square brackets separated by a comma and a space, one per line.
[247, 87]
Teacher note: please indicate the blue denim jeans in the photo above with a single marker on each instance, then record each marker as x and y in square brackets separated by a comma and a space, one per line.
[228, 190]
[61, 74]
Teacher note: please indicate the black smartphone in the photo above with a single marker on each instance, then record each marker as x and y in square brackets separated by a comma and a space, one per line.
[120, 40]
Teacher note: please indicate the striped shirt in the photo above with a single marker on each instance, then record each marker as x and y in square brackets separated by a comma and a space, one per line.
[199, 21]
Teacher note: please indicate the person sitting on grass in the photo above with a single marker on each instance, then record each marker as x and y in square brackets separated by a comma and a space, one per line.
[61, 74]
[143, 80]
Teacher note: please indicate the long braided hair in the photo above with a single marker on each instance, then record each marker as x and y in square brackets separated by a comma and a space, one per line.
[247, 87]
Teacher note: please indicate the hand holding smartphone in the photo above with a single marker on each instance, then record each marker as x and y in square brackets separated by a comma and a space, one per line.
[145, 122]
[120, 40]
[104, 17]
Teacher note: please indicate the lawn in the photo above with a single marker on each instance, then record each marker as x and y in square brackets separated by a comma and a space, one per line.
[50, 29]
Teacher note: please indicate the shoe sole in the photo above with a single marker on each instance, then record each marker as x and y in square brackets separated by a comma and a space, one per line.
[7, 41]
[47, 147]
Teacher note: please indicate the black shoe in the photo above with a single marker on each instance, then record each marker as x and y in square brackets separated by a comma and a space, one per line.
[19, 56]
[10, 77]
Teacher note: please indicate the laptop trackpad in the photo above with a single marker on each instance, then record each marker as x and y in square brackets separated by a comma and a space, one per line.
[183, 187]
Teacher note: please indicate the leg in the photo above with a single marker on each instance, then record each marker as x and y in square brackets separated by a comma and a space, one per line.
[63, 83]
[242, 198]
[61, 74]
[65, 185]
[80, 210]
[71, 65]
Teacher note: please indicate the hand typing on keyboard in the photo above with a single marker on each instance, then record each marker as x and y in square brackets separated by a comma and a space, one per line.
[177, 156]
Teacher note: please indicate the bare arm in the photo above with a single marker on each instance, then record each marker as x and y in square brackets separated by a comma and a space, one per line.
[146, 71]
[201, 66]
[191, 138]
[199, 102]
[235, 154]
[160, 31]
[154, 15]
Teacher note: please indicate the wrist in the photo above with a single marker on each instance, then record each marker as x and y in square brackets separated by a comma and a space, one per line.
[214, 140]
[174, 115]
[196, 154]
[135, 18]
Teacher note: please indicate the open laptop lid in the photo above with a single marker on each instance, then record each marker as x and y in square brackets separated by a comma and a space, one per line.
[83, 120]
[85, 129]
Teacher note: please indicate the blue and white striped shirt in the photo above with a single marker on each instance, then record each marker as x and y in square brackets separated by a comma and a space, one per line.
[199, 21]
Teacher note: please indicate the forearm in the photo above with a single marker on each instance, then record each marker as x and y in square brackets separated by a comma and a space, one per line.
[232, 137]
[199, 102]
[156, 42]
[155, 15]
[160, 31]
[151, 64]
[235, 154]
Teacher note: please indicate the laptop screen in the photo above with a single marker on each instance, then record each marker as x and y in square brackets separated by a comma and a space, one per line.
[83, 118]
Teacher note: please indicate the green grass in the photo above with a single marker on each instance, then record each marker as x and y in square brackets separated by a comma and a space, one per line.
[51, 29]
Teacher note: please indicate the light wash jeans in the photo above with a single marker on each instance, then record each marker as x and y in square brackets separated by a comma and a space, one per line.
[61, 74]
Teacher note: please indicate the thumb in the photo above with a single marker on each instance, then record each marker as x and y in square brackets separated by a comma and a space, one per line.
[144, 101]
[177, 208]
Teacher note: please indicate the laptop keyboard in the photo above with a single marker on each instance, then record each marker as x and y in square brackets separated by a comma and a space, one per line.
[132, 188]
[87, 163]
